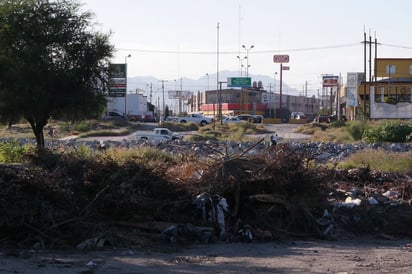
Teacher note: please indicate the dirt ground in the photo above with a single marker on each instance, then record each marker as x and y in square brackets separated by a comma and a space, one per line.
[347, 256]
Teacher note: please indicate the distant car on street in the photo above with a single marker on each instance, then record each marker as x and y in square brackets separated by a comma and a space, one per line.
[249, 118]
[321, 119]
[232, 120]
[114, 114]
[159, 134]
[335, 118]
[297, 115]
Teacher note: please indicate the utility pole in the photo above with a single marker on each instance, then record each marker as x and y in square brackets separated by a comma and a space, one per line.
[270, 99]
[274, 97]
[150, 97]
[306, 97]
[217, 57]
[163, 94]
[364, 75]
[220, 102]
[125, 92]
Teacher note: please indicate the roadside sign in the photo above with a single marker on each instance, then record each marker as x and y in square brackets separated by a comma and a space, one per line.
[117, 80]
[330, 81]
[285, 67]
[117, 70]
[239, 82]
[281, 58]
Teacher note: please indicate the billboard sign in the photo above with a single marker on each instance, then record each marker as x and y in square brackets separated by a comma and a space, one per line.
[352, 84]
[179, 94]
[281, 58]
[117, 70]
[117, 80]
[239, 82]
[330, 81]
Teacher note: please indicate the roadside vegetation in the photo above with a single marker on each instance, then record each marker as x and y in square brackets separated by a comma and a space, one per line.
[356, 131]
[379, 160]
[240, 132]
[84, 128]
[346, 132]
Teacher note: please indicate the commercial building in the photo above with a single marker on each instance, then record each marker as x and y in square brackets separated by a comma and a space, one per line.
[254, 100]
[387, 96]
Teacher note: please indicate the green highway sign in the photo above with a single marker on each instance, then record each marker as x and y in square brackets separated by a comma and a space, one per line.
[239, 82]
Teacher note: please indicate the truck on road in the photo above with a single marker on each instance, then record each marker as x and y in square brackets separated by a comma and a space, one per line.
[159, 134]
[194, 118]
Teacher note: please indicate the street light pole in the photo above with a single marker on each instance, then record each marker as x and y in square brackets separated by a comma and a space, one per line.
[247, 58]
[125, 93]
[241, 64]
[207, 74]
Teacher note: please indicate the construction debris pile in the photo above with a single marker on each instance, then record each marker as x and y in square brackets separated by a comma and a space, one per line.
[59, 201]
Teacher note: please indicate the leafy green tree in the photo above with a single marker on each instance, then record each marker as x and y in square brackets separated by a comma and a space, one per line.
[53, 64]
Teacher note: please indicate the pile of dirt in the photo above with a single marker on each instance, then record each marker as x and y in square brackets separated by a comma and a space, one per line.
[62, 201]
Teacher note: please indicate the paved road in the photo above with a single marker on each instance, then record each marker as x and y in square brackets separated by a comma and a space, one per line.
[284, 131]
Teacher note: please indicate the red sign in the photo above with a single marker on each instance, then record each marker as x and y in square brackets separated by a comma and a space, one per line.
[330, 81]
[281, 58]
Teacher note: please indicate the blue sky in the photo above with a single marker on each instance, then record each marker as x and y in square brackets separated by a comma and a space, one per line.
[169, 39]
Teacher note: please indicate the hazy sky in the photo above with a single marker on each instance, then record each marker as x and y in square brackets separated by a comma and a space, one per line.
[169, 39]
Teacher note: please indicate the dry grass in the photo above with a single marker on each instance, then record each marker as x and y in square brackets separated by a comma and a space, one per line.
[379, 160]
[323, 133]
[339, 135]
[113, 127]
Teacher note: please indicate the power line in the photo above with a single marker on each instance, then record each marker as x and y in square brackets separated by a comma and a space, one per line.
[235, 52]
[396, 46]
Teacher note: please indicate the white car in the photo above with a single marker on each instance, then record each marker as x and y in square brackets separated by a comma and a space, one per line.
[232, 120]
[159, 134]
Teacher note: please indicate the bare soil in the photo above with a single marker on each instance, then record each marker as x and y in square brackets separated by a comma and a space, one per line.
[348, 256]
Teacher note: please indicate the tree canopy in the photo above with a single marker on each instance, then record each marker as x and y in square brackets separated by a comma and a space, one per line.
[52, 63]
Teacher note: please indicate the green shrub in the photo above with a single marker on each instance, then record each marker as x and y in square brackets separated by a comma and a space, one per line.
[12, 152]
[390, 100]
[356, 129]
[82, 126]
[337, 123]
[396, 132]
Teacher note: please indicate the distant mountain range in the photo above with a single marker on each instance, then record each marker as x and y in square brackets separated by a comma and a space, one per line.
[142, 84]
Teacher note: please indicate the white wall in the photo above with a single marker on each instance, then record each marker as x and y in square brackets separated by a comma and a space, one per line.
[388, 111]
[136, 104]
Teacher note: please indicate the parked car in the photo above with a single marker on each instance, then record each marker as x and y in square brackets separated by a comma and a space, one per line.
[260, 118]
[249, 118]
[332, 118]
[321, 119]
[195, 118]
[159, 134]
[232, 120]
[297, 115]
[114, 114]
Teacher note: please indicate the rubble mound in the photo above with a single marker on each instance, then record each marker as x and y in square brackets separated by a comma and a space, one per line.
[58, 200]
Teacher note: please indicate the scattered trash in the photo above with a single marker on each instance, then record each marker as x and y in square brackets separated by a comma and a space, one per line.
[249, 194]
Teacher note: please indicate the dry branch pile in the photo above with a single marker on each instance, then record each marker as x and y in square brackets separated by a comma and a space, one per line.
[59, 201]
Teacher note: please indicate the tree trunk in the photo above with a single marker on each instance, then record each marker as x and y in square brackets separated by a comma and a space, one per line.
[37, 128]
[38, 132]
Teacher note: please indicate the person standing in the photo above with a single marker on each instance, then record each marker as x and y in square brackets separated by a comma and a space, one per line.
[273, 139]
